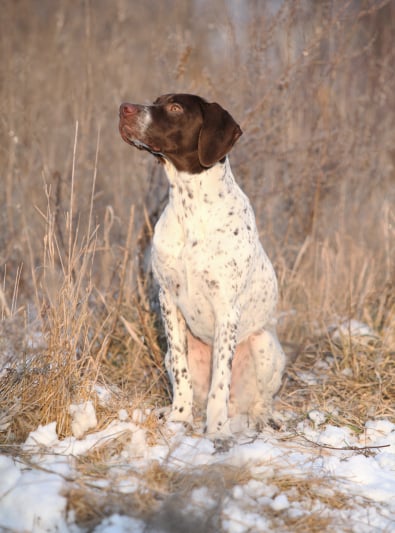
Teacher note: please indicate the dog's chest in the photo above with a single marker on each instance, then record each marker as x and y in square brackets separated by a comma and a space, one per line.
[187, 253]
[207, 256]
[178, 257]
[195, 242]
[192, 229]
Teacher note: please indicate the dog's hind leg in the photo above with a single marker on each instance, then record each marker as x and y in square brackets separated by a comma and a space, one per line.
[269, 360]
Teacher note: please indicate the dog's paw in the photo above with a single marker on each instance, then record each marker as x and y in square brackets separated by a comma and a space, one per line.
[178, 428]
[180, 417]
[223, 444]
[222, 438]
[274, 424]
[270, 422]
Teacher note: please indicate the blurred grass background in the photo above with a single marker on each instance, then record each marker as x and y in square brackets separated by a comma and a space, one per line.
[312, 85]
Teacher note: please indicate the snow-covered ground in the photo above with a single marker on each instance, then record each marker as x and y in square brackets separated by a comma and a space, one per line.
[325, 463]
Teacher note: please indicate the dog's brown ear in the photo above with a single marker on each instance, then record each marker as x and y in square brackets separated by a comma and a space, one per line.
[218, 134]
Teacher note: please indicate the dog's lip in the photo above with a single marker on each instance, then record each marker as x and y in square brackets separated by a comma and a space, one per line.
[128, 135]
[126, 130]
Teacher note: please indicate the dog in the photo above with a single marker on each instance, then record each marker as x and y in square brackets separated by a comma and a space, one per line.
[218, 289]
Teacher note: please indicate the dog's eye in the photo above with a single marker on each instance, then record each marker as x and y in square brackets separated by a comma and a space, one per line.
[174, 108]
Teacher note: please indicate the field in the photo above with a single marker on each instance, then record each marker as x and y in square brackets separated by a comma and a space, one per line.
[312, 85]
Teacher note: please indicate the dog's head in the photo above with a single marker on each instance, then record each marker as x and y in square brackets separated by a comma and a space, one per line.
[182, 128]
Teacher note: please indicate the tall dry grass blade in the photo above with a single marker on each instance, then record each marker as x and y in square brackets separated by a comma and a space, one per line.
[116, 311]
[5, 310]
[71, 204]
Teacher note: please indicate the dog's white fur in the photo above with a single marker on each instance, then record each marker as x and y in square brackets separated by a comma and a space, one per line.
[217, 289]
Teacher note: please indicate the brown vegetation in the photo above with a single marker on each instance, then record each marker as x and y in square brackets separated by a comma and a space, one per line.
[313, 87]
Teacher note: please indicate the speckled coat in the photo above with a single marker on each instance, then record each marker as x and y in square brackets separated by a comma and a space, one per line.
[215, 276]
[218, 291]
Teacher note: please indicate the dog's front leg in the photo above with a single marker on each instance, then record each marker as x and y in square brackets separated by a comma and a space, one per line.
[176, 360]
[224, 347]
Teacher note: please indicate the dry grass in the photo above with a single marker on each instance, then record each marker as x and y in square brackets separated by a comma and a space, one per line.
[162, 494]
[315, 96]
[355, 383]
[161, 497]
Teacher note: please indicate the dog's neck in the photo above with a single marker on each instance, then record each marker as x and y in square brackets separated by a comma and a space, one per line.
[189, 192]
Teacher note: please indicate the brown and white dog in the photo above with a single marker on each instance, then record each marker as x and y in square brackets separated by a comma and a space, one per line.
[218, 289]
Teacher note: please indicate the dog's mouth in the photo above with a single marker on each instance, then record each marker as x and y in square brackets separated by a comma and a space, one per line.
[143, 146]
[128, 134]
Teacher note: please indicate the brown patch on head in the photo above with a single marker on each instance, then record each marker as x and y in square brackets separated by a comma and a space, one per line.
[218, 134]
[182, 128]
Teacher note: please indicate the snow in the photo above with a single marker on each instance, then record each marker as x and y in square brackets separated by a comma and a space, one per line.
[280, 503]
[83, 418]
[351, 328]
[317, 417]
[117, 523]
[33, 485]
[30, 500]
